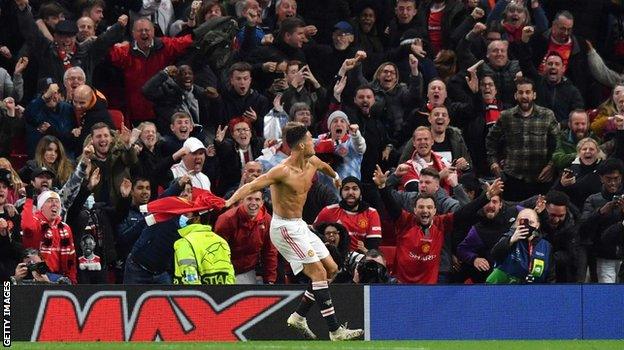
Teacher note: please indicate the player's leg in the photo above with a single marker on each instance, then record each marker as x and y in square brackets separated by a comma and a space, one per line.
[320, 289]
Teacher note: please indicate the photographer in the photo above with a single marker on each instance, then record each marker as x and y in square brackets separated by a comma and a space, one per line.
[33, 270]
[371, 268]
[522, 255]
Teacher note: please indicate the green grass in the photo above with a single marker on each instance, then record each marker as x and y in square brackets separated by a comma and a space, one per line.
[357, 345]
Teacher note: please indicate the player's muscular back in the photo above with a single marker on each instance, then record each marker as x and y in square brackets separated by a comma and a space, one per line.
[289, 194]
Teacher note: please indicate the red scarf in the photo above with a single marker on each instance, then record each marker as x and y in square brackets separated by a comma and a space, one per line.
[492, 112]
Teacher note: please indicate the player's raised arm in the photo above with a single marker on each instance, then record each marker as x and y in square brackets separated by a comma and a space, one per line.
[272, 176]
[326, 169]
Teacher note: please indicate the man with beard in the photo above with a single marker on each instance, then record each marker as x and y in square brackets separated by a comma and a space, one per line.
[239, 99]
[355, 215]
[113, 159]
[530, 136]
[41, 181]
[558, 226]
[601, 211]
[344, 142]
[192, 164]
[421, 233]
[172, 90]
[246, 229]
[474, 250]
[554, 91]
[578, 129]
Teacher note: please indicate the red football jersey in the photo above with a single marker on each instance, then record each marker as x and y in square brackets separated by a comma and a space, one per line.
[417, 253]
[362, 225]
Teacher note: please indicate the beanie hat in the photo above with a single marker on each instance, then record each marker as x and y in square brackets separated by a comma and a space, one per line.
[334, 115]
[351, 179]
[44, 196]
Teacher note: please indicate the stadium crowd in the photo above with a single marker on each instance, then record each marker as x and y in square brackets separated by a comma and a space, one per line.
[477, 141]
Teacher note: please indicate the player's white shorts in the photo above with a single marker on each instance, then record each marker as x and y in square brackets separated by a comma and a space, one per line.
[297, 244]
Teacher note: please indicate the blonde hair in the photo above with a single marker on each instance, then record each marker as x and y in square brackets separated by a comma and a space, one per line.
[15, 179]
[381, 67]
[581, 143]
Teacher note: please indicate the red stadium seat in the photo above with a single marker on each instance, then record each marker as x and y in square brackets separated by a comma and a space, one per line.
[117, 117]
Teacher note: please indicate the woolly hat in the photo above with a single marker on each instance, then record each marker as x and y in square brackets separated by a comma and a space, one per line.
[351, 179]
[334, 115]
[44, 196]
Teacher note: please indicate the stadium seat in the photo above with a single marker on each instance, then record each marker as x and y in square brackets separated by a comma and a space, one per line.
[117, 117]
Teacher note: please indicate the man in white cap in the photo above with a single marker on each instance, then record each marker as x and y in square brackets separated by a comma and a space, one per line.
[192, 164]
[44, 230]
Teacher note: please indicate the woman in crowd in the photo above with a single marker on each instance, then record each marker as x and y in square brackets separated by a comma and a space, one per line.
[16, 182]
[601, 124]
[580, 180]
[49, 153]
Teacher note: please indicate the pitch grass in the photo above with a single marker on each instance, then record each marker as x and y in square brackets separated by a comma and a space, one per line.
[357, 345]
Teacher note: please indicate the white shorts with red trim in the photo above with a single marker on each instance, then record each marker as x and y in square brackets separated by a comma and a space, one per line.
[297, 244]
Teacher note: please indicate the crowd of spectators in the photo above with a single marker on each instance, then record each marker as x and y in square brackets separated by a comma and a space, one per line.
[478, 141]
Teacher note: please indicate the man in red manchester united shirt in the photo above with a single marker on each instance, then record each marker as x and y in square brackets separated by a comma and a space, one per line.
[421, 233]
[355, 215]
[246, 229]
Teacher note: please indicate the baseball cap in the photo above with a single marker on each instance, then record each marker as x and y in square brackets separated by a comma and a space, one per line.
[5, 176]
[43, 170]
[193, 144]
[344, 27]
[66, 27]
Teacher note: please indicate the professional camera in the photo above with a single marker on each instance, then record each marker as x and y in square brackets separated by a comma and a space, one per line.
[370, 271]
[40, 267]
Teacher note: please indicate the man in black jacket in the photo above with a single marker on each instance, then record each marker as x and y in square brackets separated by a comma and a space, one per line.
[554, 91]
[173, 89]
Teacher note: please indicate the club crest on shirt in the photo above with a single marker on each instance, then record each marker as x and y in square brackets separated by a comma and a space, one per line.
[310, 253]
[426, 247]
[362, 223]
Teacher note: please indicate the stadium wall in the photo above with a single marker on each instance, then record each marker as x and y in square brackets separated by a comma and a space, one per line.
[232, 313]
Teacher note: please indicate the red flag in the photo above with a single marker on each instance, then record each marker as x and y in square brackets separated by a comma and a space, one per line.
[167, 208]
